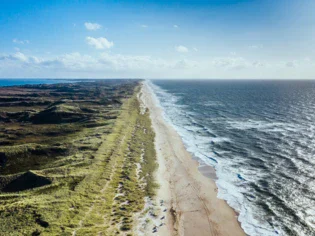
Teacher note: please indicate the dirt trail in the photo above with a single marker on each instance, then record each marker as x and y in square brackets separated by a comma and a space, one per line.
[86, 215]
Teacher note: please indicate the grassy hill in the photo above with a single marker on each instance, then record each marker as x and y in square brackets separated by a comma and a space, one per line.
[81, 164]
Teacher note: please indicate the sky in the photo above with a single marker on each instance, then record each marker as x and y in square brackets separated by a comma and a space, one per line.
[241, 39]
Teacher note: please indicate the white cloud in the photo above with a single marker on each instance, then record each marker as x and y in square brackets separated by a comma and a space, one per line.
[76, 65]
[175, 26]
[76, 62]
[290, 64]
[19, 57]
[92, 26]
[258, 64]
[231, 63]
[181, 49]
[123, 62]
[258, 46]
[144, 26]
[99, 43]
[105, 64]
[185, 64]
[20, 41]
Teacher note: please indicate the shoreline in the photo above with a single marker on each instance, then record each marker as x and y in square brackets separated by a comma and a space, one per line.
[187, 189]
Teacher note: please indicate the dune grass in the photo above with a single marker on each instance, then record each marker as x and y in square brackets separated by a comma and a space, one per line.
[94, 191]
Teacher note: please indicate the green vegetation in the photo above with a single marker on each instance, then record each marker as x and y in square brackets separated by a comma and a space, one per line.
[89, 179]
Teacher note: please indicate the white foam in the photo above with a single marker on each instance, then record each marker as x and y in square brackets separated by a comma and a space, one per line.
[230, 187]
[212, 104]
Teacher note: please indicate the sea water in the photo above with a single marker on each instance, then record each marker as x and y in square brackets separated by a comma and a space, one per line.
[14, 82]
[260, 138]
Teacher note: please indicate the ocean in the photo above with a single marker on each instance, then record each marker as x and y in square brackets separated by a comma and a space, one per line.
[13, 82]
[260, 138]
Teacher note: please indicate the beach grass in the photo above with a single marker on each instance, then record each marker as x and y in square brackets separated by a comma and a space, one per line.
[95, 188]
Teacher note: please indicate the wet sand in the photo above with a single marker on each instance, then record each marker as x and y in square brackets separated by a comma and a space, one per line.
[187, 189]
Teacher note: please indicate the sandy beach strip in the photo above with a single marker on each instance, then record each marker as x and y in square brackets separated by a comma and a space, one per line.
[189, 196]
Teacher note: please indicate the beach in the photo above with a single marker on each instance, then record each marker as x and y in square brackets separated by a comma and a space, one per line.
[189, 195]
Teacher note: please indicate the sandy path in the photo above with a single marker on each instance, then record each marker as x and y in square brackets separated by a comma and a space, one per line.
[193, 208]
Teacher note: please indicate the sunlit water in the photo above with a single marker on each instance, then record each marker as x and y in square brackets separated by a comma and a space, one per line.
[14, 82]
[260, 138]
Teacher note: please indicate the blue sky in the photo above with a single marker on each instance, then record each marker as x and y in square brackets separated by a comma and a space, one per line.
[157, 39]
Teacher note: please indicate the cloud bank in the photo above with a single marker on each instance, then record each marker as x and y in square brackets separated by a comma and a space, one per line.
[109, 65]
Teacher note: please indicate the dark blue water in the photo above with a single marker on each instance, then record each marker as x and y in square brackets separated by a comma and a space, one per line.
[12, 82]
[260, 138]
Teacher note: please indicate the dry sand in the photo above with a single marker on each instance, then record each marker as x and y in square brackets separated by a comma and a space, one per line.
[189, 196]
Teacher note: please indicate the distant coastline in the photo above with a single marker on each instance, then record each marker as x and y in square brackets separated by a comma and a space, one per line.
[19, 82]
[4, 82]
